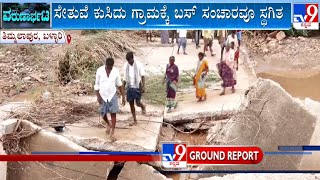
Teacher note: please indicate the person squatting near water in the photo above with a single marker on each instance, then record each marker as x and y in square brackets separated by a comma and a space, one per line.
[171, 79]
[107, 81]
[134, 83]
[227, 69]
[200, 77]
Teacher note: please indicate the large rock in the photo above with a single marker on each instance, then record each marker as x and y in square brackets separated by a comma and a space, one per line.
[265, 177]
[280, 36]
[134, 170]
[270, 117]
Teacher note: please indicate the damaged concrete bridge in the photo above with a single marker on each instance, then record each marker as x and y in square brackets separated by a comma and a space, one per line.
[260, 113]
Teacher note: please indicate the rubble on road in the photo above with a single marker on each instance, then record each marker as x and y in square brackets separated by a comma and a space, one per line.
[271, 117]
[134, 170]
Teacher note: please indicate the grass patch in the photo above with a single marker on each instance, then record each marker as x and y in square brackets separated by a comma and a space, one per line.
[156, 90]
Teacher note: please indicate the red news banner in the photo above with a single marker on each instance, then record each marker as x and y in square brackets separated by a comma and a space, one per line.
[223, 155]
[180, 155]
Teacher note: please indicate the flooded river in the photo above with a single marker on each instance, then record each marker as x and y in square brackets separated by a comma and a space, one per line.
[298, 84]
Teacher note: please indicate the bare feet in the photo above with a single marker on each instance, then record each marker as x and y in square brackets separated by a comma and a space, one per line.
[213, 54]
[176, 105]
[133, 123]
[185, 53]
[200, 99]
[108, 129]
[112, 138]
[144, 111]
[205, 98]
[221, 94]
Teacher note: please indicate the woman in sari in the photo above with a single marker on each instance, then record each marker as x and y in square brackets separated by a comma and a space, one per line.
[200, 77]
[171, 79]
[227, 69]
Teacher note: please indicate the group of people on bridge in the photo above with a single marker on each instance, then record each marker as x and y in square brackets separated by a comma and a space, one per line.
[108, 78]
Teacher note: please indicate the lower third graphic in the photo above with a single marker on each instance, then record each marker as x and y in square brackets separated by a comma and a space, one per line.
[174, 155]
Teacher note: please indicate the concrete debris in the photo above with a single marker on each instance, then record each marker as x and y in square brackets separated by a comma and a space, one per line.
[134, 170]
[26, 78]
[129, 138]
[8, 126]
[265, 50]
[224, 107]
[265, 177]
[313, 106]
[273, 34]
[214, 130]
[47, 141]
[167, 133]
[271, 117]
[280, 36]
[204, 126]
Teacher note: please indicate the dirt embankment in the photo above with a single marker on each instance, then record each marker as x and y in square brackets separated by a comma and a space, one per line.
[26, 70]
[282, 53]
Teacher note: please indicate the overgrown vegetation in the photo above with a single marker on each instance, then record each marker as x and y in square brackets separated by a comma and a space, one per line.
[295, 33]
[82, 59]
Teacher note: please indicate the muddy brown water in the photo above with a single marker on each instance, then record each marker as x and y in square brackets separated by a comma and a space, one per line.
[298, 84]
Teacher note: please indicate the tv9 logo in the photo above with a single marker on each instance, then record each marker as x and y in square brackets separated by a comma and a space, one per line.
[174, 155]
[306, 16]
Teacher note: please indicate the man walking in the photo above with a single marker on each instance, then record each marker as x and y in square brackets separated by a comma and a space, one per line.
[182, 41]
[107, 81]
[134, 82]
[197, 38]
[174, 35]
[222, 35]
[149, 34]
[208, 36]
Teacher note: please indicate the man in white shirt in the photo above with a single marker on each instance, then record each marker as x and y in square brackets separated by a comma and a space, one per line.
[107, 81]
[134, 83]
[182, 41]
[233, 38]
